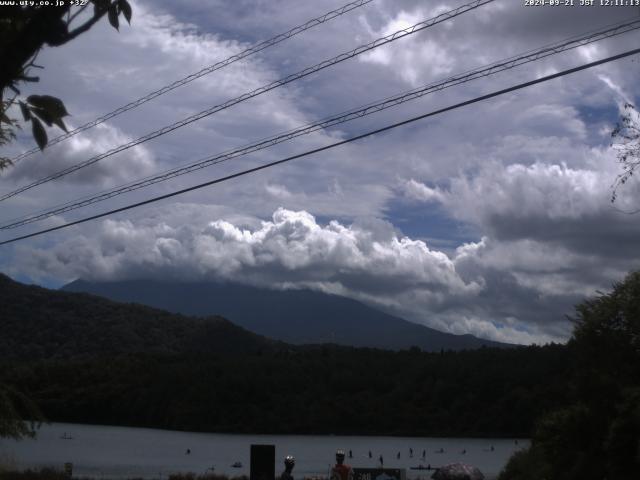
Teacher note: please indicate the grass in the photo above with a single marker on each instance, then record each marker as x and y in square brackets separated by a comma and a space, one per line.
[41, 474]
[53, 474]
[7, 473]
[7, 462]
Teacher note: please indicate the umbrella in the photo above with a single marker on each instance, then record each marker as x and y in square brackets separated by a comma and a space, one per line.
[457, 471]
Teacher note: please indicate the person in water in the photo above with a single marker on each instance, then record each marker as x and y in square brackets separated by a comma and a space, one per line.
[340, 470]
[381, 460]
[188, 452]
[289, 463]
[350, 454]
[369, 453]
[398, 456]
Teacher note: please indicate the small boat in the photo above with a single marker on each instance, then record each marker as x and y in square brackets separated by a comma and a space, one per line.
[236, 465]
[66, 436]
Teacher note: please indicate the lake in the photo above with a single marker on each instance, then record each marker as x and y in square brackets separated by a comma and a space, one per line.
[123, 452]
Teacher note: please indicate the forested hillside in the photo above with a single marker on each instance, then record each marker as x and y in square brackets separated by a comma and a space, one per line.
[41, 323]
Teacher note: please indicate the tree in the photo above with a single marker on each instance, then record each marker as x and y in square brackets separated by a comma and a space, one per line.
[597, 434]
[626, 142]
[19, 415]
[24, 31]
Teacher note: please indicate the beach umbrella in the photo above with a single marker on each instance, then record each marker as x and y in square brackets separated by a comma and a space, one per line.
[457, 471]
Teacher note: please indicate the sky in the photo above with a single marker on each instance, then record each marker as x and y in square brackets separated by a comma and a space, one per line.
[493, 219]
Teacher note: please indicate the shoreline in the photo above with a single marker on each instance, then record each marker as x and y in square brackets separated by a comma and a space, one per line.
[125, 453]
[285, 434]
[48, 473]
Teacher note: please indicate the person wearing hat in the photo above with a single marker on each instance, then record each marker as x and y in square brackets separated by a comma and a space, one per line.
[289, 463]
[340, 470]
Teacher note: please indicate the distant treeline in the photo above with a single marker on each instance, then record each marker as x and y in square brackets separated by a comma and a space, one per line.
[486, 392]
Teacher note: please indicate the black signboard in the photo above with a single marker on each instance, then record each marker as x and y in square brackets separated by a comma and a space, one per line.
[263, 462]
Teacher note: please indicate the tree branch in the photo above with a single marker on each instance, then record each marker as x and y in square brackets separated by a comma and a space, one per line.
[78, 12]
[86, 25]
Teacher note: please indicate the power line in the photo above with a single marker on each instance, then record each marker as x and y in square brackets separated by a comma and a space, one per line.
[205, 71]
[333, 145]
[369, 109]
[259, 91]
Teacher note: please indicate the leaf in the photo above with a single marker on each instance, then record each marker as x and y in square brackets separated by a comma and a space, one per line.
[4, 163]
[60, 123]
[113, 16]
[43, 115]
[125, 8]
[52, 105]
[39, 133]
[26, 114]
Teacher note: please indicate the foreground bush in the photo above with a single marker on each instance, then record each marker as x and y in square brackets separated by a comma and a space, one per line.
[596, 435]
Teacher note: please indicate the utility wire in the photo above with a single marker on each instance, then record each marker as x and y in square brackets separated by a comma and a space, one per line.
[205, 71]
[278, 83]
[369, 109]
[333, 145]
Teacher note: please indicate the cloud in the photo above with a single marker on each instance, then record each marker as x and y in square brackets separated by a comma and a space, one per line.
[550, 203]
[421, 192]
[475, 290]
[136, 162]
[551, 237]
[291, 244]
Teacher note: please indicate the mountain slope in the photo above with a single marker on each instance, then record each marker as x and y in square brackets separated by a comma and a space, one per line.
[40, 323]
[293, 316]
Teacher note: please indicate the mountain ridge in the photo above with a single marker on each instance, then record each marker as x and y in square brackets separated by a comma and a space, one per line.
[292, 316]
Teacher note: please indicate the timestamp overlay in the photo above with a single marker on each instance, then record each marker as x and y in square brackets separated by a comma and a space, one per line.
[581, 3]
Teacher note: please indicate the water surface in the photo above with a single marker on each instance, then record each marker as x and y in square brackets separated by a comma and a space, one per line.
[123, 452]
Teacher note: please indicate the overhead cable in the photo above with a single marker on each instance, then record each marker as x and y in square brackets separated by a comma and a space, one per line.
[369, 109]
[254, 93]
[205, 71]
[333, 145]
